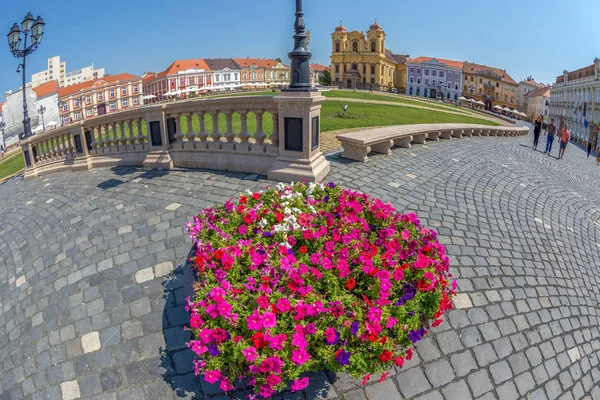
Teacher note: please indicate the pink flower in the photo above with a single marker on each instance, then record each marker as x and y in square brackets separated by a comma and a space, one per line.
[300, 356]
[250, 353]
[269, 320]
[263, 301]
[266, 391]
[206, 335]
[330, 334]
[224, 309]
[197, 347]
[225, 385]
[212, 376]
[391, 322]
[273, 380]
[405, 235]
[196, 322]
[398, 275]
[283, 305]
[299, 341]
[299, 384]
[277, 341]
[243, 229]
[254, 321]
[374, 314]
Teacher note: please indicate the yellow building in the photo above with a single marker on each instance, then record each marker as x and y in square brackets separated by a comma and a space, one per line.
[361, 61]
[491, 85]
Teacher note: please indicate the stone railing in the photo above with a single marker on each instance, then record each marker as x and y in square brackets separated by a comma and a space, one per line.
[195, 134]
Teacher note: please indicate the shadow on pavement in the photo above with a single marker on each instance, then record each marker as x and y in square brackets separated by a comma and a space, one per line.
[177, 359]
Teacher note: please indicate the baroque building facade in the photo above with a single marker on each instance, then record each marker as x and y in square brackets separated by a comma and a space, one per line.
[434, 78]
[361, 61]
[493, 86]
[575, 100]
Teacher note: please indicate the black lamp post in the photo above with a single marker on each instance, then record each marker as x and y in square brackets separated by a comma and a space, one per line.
[300, 57]
[61, 105]
[41, 111]
[35, 29]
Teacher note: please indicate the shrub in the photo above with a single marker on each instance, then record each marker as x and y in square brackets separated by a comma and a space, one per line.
[311, 277]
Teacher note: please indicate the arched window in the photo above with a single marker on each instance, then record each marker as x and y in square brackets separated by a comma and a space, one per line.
[354, 66]
[355, 46]
[382, 49]
[373, 47]
[337, 47]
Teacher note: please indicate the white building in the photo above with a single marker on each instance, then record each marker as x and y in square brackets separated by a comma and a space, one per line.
[538, 103]
[57, 71]
[526, 86]
[225, 72]
[575, 100]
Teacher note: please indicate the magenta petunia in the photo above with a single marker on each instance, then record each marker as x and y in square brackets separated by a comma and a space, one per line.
[299, 384]
[269, 320]
[254, 321]
[212, 376]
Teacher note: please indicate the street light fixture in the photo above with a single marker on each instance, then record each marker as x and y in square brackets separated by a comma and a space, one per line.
[300, 57]
[35, 29]
[61, 105]
[41, 111]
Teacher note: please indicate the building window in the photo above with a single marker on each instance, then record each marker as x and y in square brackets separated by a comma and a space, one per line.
[412, 70]
[135, 88]
[355, 47]
[456, 86]
[124, 103]
[76, 103]
[337, 47]
[448, 95]
[66, 107]
[455, 96]
[253, 76]
[372, 70]
[136, 101]
[89, 113]
[100, 96]
[112, 93]
[181, 81]
[410, 91]
[426, 81]
[88, 99]
[449, 85]
[418, 82]
[354, 67]
[441, 74]
[418, 70]
[77, 116]
[373, 47]
[337, 69]
[426, 72]
[418, 91]
[113, 105]
[433, 73]
[412, 80]
[497, 84]
[217, 78]
[124, 91]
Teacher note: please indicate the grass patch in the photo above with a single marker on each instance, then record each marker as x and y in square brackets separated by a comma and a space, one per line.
[369, 115]
[341, 94]
[11, 165]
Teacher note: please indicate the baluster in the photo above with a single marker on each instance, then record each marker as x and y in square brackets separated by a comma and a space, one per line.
[203, 134]
[130, 139]
[216, 134]
[244, 134]
[275, 133]
[260, 135]
[60, 146]
[179, 135]
[230, 134]
[94, 143]
[115, 140]
[122, 138]
[70, 143]
[41, 152]
[100, 140]
[190, 135]
[140, 136]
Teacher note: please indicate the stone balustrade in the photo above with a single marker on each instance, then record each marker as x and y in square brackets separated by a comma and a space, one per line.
[242, 134]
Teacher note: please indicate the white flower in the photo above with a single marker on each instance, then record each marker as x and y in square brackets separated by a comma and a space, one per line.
[287, 211]
[296, 227]
[248, 192]
[279, 228]
[263, 223]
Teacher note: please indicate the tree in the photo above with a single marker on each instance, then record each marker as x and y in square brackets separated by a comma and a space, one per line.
[278, 59]
[325, 78]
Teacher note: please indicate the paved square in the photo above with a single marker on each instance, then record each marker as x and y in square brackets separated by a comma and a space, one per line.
[93, 277]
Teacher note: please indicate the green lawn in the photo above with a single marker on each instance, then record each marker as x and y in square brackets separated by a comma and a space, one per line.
[366, 115]
[342, 94]
[11, 165]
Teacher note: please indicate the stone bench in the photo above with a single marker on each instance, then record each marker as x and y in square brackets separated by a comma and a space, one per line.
[357, 145]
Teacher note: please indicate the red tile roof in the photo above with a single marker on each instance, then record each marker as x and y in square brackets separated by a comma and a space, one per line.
[449, 63]
[471, 68]
[542, 91]
[46, 89]
[260, 63]
[532, 82]
[182, 65]
[66, 91]
[318, 67]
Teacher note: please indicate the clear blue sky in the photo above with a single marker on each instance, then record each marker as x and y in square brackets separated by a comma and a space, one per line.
[525, 37]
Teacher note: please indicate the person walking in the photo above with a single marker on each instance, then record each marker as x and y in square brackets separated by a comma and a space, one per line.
[550, 132]
[589, 148]
[565, 135]
[537, 129]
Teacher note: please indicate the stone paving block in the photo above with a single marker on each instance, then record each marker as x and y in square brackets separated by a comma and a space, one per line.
[70, 390]
[439, 372]
[383, 391]
[484, 354]
[525, 382]
[427, 350]
[463, 363]
[412, 382]
[449, 342]
[479, 382]
[457, 390]
[91, 342]
[500, 372]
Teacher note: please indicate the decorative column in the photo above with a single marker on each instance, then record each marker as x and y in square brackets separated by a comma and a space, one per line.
[158, 146]
[299, 111]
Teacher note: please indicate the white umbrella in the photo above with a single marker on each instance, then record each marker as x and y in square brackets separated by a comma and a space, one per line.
[498, 107]
[507, 109]
[481, 102]
[462, 98]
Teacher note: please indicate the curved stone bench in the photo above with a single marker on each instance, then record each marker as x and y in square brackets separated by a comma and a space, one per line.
[357, 145]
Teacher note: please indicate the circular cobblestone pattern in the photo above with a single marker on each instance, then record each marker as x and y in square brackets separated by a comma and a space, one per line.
[93, 277]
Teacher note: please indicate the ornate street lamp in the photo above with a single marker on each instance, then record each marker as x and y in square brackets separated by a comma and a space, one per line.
[2, 126]
[300, 57]
[61, 105]
[41, 111]
[35, 29]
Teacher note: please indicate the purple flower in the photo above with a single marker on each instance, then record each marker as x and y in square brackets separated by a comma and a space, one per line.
[414, 336]
[267, 234]
[354, 328]
[213, 350]
[326, 199]
[331, 185]
[343, 357]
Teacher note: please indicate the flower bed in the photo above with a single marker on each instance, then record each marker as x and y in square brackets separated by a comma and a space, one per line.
[309, 278]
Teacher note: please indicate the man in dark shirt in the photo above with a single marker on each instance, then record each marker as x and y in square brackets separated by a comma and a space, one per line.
[551, 132]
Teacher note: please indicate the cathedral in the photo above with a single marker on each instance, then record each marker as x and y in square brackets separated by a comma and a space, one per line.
[361, 61]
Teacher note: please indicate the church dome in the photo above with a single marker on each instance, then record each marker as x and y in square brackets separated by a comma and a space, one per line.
[340, 28]
[376, 27]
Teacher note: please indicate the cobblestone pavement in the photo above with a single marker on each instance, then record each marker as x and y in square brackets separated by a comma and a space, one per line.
[93, 276]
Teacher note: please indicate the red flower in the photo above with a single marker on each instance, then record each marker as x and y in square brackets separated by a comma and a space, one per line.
[385, 356]
[350, 283]
[259, 340]
[436, 322]
[409, 354]
[383, 340]
[366, 379]
[256, 196]
[303, 250]
[240, 209]
[243, 199]
[372, 338]
[248, 219]
[385, 375]
[399, 361]
[278, 216]
[369, 302]
[219, 254]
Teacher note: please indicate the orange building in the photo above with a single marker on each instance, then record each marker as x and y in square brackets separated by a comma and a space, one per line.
[100, 96]
[177, 79]
[260, 70]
